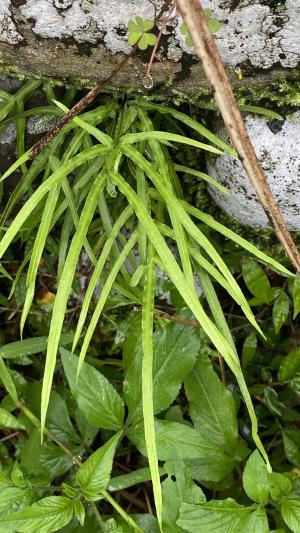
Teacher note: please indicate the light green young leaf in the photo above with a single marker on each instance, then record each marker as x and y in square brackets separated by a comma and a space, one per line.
[93, 476]
[296, 296]
[290, 366]
[173, 441]
[131, 138]
[290, 511]
[65, 285]
[280, 311]
[7, 420]
[202, 175]
[214, 516]
[7, 380]
[176, 276]
[249, 349]
[79, 511]
[280, 485]
[13, 498]
[96, 397]
[255, 479]
[175, 348]
[147, 381]
[44, 516]
[188, 121]
[211, 222]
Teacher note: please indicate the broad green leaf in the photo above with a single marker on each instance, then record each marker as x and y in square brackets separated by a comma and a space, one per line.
[173, 441]
[44, 516]
[47, 461]
[175, 492]
[7, 420]
[290, 511]
[257, 522]
[291, 448]
[175, 347]
[31, 346]
[290, 366]
[13, 499]
[281, 310]
[296, 296]
[280, 485]
[95, 396]
[211, 407]
[215, 516]
[249, 348]
[256, 280]
[93, 476]
[255, 479]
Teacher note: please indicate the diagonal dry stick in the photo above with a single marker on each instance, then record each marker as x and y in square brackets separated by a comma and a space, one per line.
[194, 17]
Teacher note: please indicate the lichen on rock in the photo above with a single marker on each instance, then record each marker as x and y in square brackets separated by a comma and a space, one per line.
[276, 144]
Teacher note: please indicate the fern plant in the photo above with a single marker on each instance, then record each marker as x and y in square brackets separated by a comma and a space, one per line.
[108, 169]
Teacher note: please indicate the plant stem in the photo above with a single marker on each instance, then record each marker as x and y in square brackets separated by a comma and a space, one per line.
[121, 511]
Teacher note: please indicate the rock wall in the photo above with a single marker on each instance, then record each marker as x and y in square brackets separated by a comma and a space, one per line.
[83, 40]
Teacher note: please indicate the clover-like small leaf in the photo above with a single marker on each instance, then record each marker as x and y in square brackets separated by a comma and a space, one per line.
[139, 33]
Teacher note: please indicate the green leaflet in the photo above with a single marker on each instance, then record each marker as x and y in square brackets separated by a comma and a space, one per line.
[44, 516]
[175, 348]
[290, 511]
[96, 397]
[93, 476]
[256, 479]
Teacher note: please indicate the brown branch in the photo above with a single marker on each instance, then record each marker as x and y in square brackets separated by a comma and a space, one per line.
[88, 98]
[171, 318]
[194, 17]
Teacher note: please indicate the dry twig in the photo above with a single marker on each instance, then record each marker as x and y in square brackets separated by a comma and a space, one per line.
[194, 17]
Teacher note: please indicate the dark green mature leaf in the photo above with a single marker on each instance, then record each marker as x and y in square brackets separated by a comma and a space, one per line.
[296, 296]
[93, 476]
[173, 441]
[215, 516]
[256, 280]
[249, 348]
[255, 479]
[175, 492]
[289, 366]
[291, 448]
[212, 407]
[44, 516]
[48, 461]
[175, 348]
[290, 511]
[281, 310]
[96, 397]
[58, 418]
